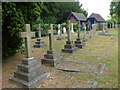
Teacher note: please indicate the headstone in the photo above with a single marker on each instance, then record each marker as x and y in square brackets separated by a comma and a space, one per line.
[60, 37]
[64, 30]
[52, 57]
[93, 31]
[103, 29]
[84, 37]
[113, 25]
[40, 42]
[70, 46]
[29, 73]
[79, 43]
[72, 31]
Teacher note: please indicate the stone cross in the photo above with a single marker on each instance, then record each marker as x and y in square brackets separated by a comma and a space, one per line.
[78, 29]
[27, 35]
[84, 37]
[50, 32]
[39, 31]
[68, 28]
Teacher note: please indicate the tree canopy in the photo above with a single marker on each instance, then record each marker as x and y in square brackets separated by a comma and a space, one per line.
[114, 11]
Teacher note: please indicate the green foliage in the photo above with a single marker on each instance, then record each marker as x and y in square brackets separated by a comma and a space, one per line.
[14, 16]
[114, 11]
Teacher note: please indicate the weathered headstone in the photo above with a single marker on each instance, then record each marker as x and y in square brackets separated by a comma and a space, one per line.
[52, 57]
[84, 37]
[60, 37]
[40, 42]
[29, 73]
[72, 31]
[113, 25]
[103, 29]
[79, 43]
[64, 30]
[93, 31]
[70, 46]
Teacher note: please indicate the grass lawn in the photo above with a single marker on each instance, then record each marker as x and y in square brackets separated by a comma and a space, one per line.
[105, 49]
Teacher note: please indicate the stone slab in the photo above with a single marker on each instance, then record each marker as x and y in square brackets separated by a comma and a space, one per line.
[83, 67]
[29, 73]
[51, 62]
[51, 58]
[60, 38]
[33, 83]
[39, 43]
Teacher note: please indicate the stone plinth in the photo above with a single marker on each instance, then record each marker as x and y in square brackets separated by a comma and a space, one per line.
[29, 73]
[60, 38]
[39, 43]
[51, 58]
[69, 47]
[79, 43]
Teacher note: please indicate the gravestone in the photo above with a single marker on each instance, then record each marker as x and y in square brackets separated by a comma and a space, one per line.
[93, 31]
[52, 57]
[39, 43]
[113, 25]
[29, 73]
[72, 31]
[64, 30]
[60, 37]
[79, 43]
[84, 36]
[70, 46]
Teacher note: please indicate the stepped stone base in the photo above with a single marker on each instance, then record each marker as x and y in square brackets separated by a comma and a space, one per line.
[69, 47]
[39, 43]
[79, 43]
[29, 73]
[51, 58]
[60, 38]
[85, 39]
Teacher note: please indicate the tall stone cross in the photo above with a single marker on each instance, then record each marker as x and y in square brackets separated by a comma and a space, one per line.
[50, 33]
[78, 29]
[39, 31]
[68, 28]
[27, 36]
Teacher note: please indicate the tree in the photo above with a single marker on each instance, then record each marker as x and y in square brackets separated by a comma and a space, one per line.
[114, 11]
[15, 15]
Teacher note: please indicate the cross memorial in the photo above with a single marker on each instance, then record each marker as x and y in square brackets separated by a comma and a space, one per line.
[79, 43]
[52, 57]
[68, 27]
[40, 42]
[39, 31]
[27, 36]
[29, 73]
[70, 46]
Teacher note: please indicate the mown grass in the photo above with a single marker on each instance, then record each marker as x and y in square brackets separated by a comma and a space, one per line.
[107, 56]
